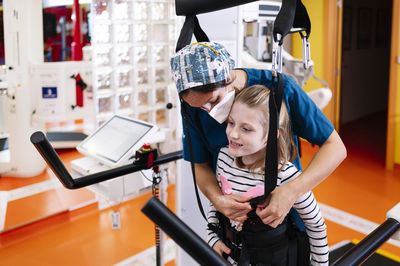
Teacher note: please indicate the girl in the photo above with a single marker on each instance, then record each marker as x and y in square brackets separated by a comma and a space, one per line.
[240, 172]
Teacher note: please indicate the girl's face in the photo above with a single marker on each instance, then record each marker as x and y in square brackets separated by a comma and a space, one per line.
[246, 134]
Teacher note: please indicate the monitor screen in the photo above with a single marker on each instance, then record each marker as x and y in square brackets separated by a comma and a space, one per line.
[114, 138]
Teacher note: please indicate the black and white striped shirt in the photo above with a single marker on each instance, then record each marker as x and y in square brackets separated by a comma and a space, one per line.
[241, 180]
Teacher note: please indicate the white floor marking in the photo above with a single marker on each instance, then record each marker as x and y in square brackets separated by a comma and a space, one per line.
[33, 189]
[351, 221]
[3, 208]
[148, 256]
[18, 193]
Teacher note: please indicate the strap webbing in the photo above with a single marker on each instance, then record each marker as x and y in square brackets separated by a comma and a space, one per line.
[186, 122]
[292, 14]
[190, 26]
[271, 153]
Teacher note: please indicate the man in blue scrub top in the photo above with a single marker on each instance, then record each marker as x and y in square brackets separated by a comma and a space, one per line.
[206, 81]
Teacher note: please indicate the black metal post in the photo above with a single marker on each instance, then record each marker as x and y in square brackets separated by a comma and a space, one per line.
[363, 250]
[48, 153]
[181, 233]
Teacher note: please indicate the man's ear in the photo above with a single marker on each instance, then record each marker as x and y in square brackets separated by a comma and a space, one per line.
[277, 134]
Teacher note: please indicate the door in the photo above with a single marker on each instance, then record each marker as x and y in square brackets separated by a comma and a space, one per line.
[365, 65]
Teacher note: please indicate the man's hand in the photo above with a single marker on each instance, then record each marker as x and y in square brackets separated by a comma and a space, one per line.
[233, 206]
[220, 248]
[277, 205]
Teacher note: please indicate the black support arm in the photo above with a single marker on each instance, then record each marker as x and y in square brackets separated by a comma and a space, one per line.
[48, 153]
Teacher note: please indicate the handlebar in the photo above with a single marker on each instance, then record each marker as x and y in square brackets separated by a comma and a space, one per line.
[51, 157]
[363, 250]
[181, 233]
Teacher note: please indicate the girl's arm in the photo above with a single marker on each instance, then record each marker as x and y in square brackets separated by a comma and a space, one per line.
[232, 206]
[324, 162]
[212, 218]
[308, 209]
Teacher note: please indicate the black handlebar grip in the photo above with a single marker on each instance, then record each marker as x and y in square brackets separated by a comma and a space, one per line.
[51, 157]
[181, 233]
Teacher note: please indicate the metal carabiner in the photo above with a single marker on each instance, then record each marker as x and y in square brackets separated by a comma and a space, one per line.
[277, 55]
[306, 52]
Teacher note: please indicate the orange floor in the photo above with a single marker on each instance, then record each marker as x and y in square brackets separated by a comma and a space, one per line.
[360, 186]
[38, 206]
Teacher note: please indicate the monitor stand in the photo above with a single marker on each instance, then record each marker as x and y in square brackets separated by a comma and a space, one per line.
[116, 190]
[86, 166]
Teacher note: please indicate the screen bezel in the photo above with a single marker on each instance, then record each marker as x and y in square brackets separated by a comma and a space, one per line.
[129, 152]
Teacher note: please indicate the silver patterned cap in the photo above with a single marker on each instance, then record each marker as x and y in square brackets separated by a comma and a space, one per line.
[200, 64]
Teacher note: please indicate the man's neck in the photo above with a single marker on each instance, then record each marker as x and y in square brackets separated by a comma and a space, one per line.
[240, 80]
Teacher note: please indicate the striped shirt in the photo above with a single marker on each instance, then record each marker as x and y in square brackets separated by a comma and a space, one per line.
[241, 180]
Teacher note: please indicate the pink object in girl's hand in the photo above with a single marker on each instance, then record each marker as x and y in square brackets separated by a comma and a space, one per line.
[225, 186]
[254, 192]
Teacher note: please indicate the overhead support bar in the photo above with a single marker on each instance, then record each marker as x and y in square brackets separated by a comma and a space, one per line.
[194, 7]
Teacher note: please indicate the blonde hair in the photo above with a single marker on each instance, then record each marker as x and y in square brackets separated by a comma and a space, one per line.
[257, 96]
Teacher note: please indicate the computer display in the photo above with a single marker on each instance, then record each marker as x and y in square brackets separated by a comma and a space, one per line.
[117, 140]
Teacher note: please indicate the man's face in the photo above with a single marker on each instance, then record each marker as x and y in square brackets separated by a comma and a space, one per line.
[205, 100]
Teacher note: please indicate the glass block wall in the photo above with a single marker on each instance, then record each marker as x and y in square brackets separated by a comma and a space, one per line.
[132, 42]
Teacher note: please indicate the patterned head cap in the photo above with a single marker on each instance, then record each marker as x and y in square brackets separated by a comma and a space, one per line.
[200, 64]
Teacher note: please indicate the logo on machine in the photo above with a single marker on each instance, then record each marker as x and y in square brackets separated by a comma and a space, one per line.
[49, 92]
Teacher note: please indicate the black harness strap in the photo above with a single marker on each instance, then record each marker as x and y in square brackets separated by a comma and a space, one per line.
[302, 20]
[271, 153]
[190, 26]
[292, 14]
[186, 122]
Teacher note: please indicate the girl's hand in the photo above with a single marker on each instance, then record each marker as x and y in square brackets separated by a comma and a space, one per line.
[274, 209]
[220, 248]
[234, 207]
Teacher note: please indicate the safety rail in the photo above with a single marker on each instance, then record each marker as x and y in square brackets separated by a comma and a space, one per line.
[51, 157]
[181, 233]
[367, 247]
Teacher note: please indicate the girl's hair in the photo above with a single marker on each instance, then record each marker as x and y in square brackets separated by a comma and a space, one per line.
[257, 96]
[212, 86]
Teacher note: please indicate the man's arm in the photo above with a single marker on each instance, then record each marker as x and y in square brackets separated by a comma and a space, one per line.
[232, 206]
[324, 162]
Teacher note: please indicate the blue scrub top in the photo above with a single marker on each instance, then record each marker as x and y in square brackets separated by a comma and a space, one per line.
[307, 121]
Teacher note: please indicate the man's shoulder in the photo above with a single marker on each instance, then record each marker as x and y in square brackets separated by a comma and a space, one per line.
[257, 76]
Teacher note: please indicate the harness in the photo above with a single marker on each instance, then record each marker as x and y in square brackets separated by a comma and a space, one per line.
[260, 244]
